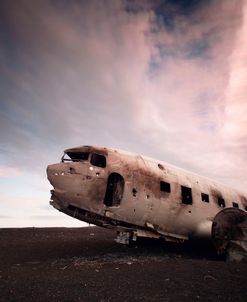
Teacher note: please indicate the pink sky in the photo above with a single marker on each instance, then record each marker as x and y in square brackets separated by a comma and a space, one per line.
[164, 80]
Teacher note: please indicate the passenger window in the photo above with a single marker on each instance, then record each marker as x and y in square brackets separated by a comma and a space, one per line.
[165, 187]
[235, 205]
[98, 160]
[205, 197]
[221, 202]
[186, 195]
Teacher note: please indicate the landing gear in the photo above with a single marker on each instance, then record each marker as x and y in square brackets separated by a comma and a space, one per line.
[124, 237]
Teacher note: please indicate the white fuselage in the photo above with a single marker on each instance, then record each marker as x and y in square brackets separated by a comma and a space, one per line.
[127, 191]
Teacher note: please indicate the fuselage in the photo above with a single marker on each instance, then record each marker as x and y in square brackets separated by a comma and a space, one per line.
[130, 192]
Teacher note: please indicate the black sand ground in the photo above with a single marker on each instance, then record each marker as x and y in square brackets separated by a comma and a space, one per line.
[85, 264]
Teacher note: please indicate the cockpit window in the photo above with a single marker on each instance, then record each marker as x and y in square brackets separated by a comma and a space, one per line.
[75, 156]
[98, 160]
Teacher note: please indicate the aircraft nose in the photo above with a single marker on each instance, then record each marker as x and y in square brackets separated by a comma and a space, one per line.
[53, 174]
[52, 171]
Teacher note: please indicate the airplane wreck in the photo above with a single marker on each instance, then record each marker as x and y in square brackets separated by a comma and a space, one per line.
[142, 197]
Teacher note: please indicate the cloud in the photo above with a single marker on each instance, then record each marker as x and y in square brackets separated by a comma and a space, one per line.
[163, 79]
[235, 121]
[6, 171]
[30, 210]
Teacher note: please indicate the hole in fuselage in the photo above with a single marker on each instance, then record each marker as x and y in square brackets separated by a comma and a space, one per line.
[114, 190]
[134, 192]
[72, 170]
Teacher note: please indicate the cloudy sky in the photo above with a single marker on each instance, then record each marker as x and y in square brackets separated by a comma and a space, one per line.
[165, 78]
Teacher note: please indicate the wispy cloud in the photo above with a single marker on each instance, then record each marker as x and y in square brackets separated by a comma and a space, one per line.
[6, 171]
[5, 217]
[164, 78]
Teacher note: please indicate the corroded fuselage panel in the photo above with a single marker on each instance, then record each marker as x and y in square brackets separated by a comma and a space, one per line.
[126, 191]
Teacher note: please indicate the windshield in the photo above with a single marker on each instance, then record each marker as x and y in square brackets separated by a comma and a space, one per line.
[75, 156]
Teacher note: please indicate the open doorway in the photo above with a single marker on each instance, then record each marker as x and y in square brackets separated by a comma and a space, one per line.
[114, 190]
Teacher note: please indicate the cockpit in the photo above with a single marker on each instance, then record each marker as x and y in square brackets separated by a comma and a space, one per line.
[95, 159]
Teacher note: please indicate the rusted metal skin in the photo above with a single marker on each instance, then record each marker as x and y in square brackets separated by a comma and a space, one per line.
[126, 194]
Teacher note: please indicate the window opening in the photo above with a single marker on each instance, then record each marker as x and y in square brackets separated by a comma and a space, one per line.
[114, 190]
[75, 156]
[165, 187]
[205, 197]
[235, 205]
[98, 160]
[221, 202]
[186, 195]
